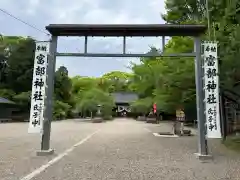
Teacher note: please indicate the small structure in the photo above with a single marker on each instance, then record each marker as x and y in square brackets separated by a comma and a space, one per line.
[6, 108]
[230, 113]
[98, 118]
[122, 101]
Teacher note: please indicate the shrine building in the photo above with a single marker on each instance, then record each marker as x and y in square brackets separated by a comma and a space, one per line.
[122, 101]
[6, 108]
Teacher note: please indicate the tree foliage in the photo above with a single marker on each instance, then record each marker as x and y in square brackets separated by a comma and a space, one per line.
[94, 97]
[63, 86]
[64, 101]
[116, 81]
[16, 72]
[142, 106]
[16, 55]
[23, 99]
[171, 81]
[16, 59]
[61, 110]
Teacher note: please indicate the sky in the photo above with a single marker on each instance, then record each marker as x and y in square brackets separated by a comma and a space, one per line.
[40, 13]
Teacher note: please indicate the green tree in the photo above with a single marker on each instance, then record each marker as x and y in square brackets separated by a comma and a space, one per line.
[20, 63]
[116, 81]
[224, 27]
[94, 97]
[61, 110]
[188, 11]
[82, 84]
[23, 100]
[64, 100]
[7, 93]
[170, 82]
[16, 69]
[142, 106]
[63, 85]
[227, 34]
[177, 86]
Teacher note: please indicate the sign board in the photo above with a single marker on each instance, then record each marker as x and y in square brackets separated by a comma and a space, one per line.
[211, 87]
[180, 115]
[38, 87]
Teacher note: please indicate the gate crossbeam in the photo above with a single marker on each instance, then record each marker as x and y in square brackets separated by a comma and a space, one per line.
[124, 55]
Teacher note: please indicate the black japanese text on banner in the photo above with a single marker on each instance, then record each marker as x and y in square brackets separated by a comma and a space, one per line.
[211, 86]
[38, 88]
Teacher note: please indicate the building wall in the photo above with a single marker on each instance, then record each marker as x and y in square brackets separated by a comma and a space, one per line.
[123, 107]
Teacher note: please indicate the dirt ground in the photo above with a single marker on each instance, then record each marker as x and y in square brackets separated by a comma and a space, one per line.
[120, 149]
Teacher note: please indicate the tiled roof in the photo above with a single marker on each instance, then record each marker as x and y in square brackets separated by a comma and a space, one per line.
[124, 97]
[5, 101]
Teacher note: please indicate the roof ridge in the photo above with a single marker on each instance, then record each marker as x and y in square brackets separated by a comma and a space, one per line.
[4, 100]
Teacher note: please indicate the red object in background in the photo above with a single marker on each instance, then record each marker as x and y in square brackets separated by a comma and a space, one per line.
[154, 107]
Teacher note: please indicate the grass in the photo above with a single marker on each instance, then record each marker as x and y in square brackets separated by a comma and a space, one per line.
[233, 142]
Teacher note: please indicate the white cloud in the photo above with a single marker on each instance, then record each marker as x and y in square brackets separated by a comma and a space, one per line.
[32, 5]
[44, 12]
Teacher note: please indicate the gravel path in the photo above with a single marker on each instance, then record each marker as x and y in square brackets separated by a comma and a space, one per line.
[122, 150]
[18, 148]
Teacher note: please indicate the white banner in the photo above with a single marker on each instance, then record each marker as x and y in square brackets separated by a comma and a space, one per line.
[211, 86]
[38, 87]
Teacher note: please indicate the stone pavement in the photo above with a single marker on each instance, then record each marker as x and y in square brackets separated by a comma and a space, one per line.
[122, 149]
